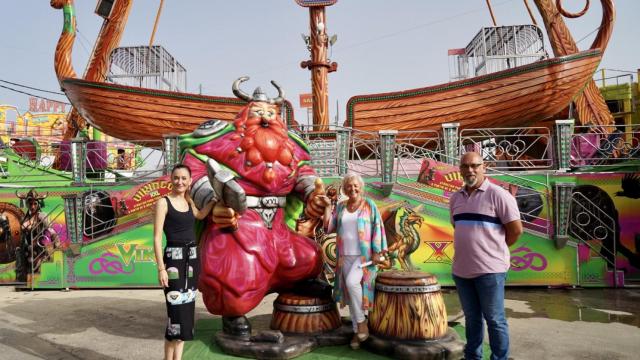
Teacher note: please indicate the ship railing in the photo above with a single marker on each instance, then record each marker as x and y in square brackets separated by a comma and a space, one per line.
[510, 148]
[605, 145]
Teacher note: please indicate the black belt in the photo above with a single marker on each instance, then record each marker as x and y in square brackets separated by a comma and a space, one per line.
[181, 244]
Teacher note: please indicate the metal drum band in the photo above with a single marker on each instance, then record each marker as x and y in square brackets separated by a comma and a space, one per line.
[304, 309]
[417, 289]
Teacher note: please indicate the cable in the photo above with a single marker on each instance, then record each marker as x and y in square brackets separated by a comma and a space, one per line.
[83, 42]
[622, 71]
[26, 93]
[32, 88]
[589, 34]
[416, 27]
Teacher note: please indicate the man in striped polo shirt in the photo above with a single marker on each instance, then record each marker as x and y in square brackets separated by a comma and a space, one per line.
[486, 222]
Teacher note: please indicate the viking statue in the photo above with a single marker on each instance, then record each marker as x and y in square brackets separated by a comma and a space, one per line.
[250, 168]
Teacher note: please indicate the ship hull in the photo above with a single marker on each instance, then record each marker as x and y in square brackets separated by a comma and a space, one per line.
[510, 98]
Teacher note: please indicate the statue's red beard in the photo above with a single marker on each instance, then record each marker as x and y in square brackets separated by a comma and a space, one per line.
[264, 144]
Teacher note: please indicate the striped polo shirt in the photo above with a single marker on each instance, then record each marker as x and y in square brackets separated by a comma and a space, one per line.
[479, 237]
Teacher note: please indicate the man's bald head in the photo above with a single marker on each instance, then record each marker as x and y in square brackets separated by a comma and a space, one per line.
[471, 156]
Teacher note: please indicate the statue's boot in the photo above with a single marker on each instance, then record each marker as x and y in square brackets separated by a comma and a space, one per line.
[236, 326]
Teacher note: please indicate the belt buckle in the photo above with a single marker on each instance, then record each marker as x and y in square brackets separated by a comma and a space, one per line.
[269, 201]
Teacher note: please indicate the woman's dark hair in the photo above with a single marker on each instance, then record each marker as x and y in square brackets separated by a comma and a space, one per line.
[181, 166]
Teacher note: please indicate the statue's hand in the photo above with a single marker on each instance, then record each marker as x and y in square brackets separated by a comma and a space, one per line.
[224, 217]
[317, 201]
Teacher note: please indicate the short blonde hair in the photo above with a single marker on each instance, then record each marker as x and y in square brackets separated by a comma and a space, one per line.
[352, 177]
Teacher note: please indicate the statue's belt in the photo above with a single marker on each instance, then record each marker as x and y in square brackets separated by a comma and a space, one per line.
[266, 201]
[266, 206]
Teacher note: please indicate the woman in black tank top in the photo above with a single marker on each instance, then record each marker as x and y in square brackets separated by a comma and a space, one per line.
[178, 262]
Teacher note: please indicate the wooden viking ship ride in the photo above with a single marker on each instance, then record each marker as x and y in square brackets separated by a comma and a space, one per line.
[514, 97]
[509, 98]
[135, 113]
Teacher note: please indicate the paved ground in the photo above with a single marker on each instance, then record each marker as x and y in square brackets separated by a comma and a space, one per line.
[128, 324]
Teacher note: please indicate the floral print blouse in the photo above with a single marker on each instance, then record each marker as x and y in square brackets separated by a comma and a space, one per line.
[371, 238]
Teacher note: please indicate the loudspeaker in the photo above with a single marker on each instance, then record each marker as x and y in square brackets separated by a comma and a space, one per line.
[103, 8]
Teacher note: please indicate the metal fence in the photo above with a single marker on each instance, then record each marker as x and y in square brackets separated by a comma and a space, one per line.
[412, 148]
[605, 145]
[503, 149]
[511, 148]
[25, 160]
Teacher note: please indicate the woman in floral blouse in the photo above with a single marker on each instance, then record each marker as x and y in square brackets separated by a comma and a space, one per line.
[361, 244]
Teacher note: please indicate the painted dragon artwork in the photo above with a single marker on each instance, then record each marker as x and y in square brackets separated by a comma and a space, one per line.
[261, 171]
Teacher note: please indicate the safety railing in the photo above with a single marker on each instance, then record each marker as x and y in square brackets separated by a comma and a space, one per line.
[27, 161]
[365, 153]
[592, 226]
[411, 148]
[615, 80]
[323, 146]
[39, 241]
[533, 199]
[511, 148]
[605, 145]
[98, 214]
[128, 161]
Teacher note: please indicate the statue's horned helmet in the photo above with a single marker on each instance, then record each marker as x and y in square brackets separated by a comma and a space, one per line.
[258, 94]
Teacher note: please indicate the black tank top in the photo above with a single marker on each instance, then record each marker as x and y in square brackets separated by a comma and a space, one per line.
[179, 225]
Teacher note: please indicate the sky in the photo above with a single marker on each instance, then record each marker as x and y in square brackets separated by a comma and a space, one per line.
[382, 45]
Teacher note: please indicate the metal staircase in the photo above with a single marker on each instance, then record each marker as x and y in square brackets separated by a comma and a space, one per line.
[596, 233]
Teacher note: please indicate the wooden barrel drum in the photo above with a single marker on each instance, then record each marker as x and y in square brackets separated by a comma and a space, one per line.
[408, 305]
[304, 315]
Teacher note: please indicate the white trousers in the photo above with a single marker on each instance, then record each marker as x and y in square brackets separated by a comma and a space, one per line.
[352, 280]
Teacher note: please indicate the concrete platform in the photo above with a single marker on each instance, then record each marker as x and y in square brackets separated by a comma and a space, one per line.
[129, 324]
